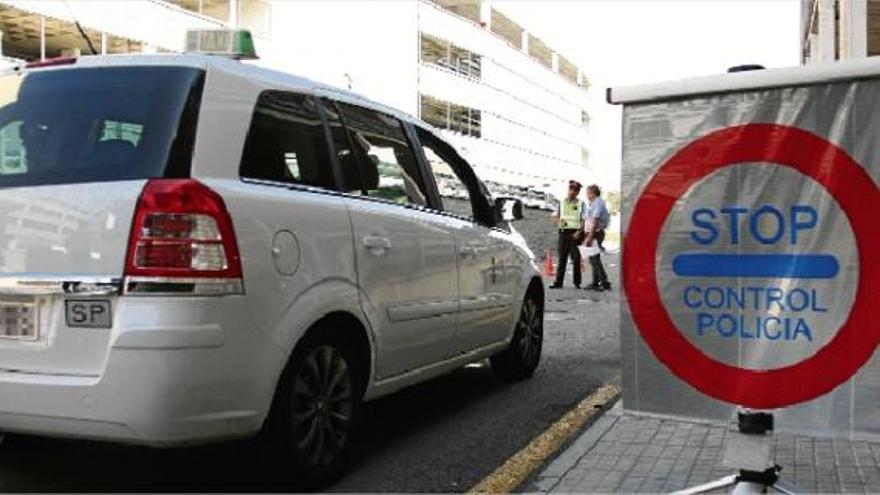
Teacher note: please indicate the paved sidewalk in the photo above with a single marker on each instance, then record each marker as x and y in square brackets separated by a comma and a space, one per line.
[623, 452]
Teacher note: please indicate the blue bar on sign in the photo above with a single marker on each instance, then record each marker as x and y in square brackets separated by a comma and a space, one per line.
[756, 265]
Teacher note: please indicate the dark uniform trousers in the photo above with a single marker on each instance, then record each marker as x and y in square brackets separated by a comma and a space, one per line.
[600, 278]
[568, 248]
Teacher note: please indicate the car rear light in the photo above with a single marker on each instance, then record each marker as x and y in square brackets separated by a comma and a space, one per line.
[182, 242]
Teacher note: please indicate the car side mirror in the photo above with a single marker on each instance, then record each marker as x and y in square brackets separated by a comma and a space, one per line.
[508, 209]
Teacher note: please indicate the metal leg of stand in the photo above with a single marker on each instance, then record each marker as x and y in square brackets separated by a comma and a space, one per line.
[748, 488]
[741, 487]
[786, 488]
[748, 450]
[711, 486]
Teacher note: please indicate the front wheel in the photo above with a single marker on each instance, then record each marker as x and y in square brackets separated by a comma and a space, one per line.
[317, 404]
[521, 358]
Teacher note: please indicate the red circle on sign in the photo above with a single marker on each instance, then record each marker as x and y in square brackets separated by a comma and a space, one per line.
[813, 156]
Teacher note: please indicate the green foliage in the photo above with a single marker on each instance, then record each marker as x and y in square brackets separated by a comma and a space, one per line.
[612, 200]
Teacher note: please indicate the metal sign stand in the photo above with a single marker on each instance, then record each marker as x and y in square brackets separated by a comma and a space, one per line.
[749, 452]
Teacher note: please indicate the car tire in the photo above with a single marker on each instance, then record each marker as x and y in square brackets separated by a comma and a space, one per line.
[315, 410]
[521, 358]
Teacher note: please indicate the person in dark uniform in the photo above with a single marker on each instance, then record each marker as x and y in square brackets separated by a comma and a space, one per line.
[570, 219]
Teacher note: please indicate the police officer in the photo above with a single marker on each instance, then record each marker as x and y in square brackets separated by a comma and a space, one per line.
[569, 217]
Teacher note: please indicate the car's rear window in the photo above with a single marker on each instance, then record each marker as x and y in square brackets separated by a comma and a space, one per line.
[97, 124]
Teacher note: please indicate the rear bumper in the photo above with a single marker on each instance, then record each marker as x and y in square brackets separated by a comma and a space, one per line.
[161, 385]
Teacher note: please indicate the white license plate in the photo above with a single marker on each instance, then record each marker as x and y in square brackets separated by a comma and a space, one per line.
[89, 313]
[19, 320]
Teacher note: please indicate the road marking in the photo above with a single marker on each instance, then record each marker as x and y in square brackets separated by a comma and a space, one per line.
[516, 470]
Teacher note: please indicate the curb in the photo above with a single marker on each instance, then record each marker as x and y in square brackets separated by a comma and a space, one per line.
[517, 470]
[553, 473]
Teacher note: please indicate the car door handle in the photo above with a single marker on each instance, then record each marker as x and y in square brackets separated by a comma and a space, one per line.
[376, 243]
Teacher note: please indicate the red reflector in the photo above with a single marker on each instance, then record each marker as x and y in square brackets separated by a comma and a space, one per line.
[164, 255]
[181, 229]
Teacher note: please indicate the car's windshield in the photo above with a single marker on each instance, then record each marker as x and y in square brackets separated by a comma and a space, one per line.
[97, 124]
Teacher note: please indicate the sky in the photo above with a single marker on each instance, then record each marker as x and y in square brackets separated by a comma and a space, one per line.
[631, 42]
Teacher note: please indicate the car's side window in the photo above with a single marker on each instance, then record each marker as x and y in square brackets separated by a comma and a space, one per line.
[341, 143]
[286, 141]
[454, 193]
[382, 163]
[459, 191]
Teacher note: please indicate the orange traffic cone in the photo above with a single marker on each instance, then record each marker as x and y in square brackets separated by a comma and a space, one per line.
[549, 271]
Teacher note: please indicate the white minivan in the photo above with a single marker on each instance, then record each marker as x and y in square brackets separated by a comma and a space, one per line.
[193, 248]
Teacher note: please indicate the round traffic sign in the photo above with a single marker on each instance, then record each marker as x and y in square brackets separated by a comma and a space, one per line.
[825, 163]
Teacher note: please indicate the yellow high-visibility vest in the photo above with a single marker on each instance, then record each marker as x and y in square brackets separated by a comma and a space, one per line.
[570, 216]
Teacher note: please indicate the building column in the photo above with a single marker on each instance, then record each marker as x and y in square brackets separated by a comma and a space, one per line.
[103, 43]
[853, 29]
[486, 14]
[814, 49]
[233, 14]
[525, 42]
[827, 31]
[554, 61]
[42, 37]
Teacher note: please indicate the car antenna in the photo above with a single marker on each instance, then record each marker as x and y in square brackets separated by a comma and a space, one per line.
[81, 30]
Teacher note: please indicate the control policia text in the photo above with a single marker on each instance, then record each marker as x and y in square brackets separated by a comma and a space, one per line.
[748, 309]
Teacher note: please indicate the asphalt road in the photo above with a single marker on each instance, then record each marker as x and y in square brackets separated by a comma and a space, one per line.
[440, 436]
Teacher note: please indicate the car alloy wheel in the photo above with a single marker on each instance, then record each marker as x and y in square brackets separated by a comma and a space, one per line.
[322, 407]
[520, 359]
[530, 331]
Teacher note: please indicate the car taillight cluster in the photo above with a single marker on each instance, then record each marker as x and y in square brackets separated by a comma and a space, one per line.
[182, 233]
[180, 241]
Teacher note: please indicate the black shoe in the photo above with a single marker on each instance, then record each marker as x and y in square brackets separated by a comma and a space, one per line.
[556, 286]
[577, 286]
[607, 286]
[593, 287]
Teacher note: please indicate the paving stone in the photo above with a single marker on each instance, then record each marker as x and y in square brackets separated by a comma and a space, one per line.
[824, 488]
[592, 478]
[544, 484]
[653, 485]
[648, 455]
[662, 465]
[870, 475]
[675, 483]
[700, 476]
[641, 468]
[607, 463]
[628, 486]
[653, 451]
[626, 463]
